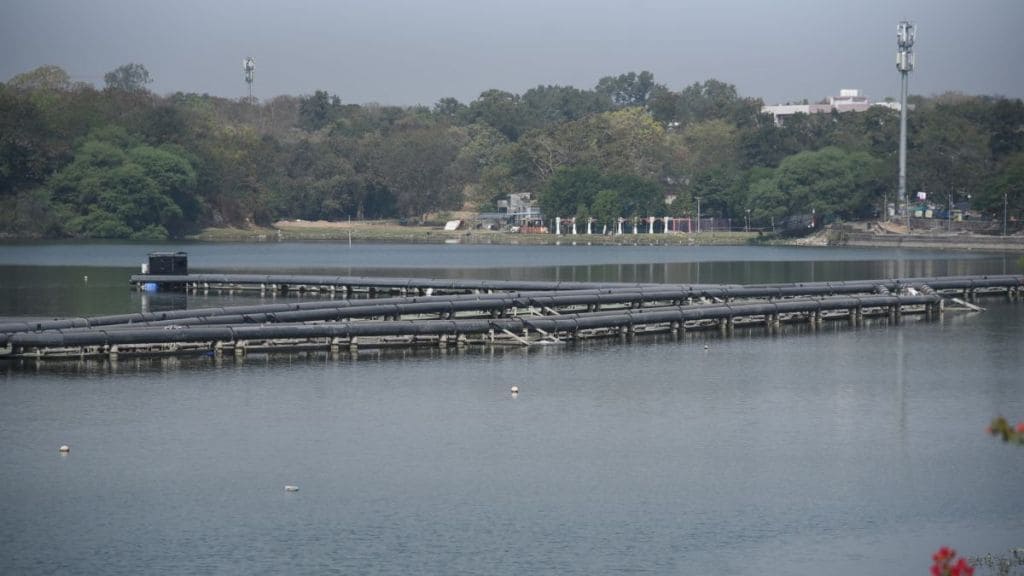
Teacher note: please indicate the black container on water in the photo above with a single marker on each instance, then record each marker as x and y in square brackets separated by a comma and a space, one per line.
[168, 263]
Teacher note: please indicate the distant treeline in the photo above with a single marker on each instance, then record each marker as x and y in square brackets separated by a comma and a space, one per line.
[122, 162]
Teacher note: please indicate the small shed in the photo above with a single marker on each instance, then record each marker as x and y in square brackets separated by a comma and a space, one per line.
[168, 263]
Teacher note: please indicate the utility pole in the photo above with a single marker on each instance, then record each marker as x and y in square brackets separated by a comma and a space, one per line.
[1004, 212]
[698, 215]
[905, 33]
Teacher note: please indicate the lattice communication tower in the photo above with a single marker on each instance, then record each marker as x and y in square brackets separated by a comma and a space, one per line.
[249, 69]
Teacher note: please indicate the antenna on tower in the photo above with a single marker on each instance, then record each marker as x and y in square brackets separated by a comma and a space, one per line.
[905, 34]
[249, 68]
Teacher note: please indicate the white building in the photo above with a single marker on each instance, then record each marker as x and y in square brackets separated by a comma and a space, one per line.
[848, 100]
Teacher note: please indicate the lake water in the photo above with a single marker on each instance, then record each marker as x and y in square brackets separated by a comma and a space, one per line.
[842, 450]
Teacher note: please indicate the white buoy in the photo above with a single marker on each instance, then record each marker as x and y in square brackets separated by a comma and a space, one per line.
[86, 278]
[706, 347]
[514, 390]
[64, 449]
[290, 488]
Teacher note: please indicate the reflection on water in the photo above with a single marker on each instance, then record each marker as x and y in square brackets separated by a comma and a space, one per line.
[72, 290]
[162, 301]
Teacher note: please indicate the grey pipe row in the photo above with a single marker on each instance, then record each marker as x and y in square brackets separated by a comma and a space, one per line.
[518, 285]
[350, 329]
[591, 294]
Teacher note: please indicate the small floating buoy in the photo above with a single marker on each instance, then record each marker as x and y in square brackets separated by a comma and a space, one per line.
[514, 390]
[86, 278]
[706, 347]
[290, 488]
[64, 449]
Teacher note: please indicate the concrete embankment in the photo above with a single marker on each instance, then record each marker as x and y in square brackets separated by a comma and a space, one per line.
[934, 241]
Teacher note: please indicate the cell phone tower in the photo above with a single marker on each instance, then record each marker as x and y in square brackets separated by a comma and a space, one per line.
[905, 33]
[249, 68]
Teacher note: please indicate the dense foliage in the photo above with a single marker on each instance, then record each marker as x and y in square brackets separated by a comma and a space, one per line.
[122, 162]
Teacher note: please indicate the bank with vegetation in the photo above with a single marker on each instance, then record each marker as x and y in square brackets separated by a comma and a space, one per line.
[122, 162]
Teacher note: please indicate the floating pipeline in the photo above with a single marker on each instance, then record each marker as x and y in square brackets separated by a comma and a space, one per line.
[590, 295]
[102, 341]
[647, 306]
[421, 285]
[552, 294]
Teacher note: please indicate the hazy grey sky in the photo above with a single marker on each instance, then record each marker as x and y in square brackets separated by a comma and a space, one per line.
[416, 52]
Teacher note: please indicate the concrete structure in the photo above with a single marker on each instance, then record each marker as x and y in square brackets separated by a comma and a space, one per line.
[519, 211]
[848, 100]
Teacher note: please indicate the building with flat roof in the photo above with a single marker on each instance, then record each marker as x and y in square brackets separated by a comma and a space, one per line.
[848, 100]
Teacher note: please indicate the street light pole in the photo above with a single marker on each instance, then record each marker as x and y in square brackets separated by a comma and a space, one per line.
[747, 221]
[698, 215]
[1004, 213]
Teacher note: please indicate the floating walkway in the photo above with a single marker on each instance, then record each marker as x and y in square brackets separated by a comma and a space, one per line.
[474, 312]
[375, 285]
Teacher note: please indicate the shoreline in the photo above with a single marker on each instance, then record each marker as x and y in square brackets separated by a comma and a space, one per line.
[390, 232]
[846, 235]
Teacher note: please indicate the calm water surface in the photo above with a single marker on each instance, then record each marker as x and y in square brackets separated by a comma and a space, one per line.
[841, 451]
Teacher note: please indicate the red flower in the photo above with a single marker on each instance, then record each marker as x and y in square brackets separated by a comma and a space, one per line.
[961, 568]
[944, 553]
[943, 564]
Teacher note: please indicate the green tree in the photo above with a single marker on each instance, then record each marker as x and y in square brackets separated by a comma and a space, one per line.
[30, 214]
[638, 196]
[875, 131]
[576, 188]
[633, 143]
[1006, 125]
[173, 176]
[721, 191]
[417, 165]
[450, 109]
[950, 154]
[626, 90]
[664, 105]
[44, 78]
[127, 78]
[568, 189]
[318, 110]
[500, 110]
[830, 182]
[1008, 184]
[483, 163]
[708, 100]
[26, 156]
[109, 192]
[550, 105]
[711, 144]
[607, 208]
